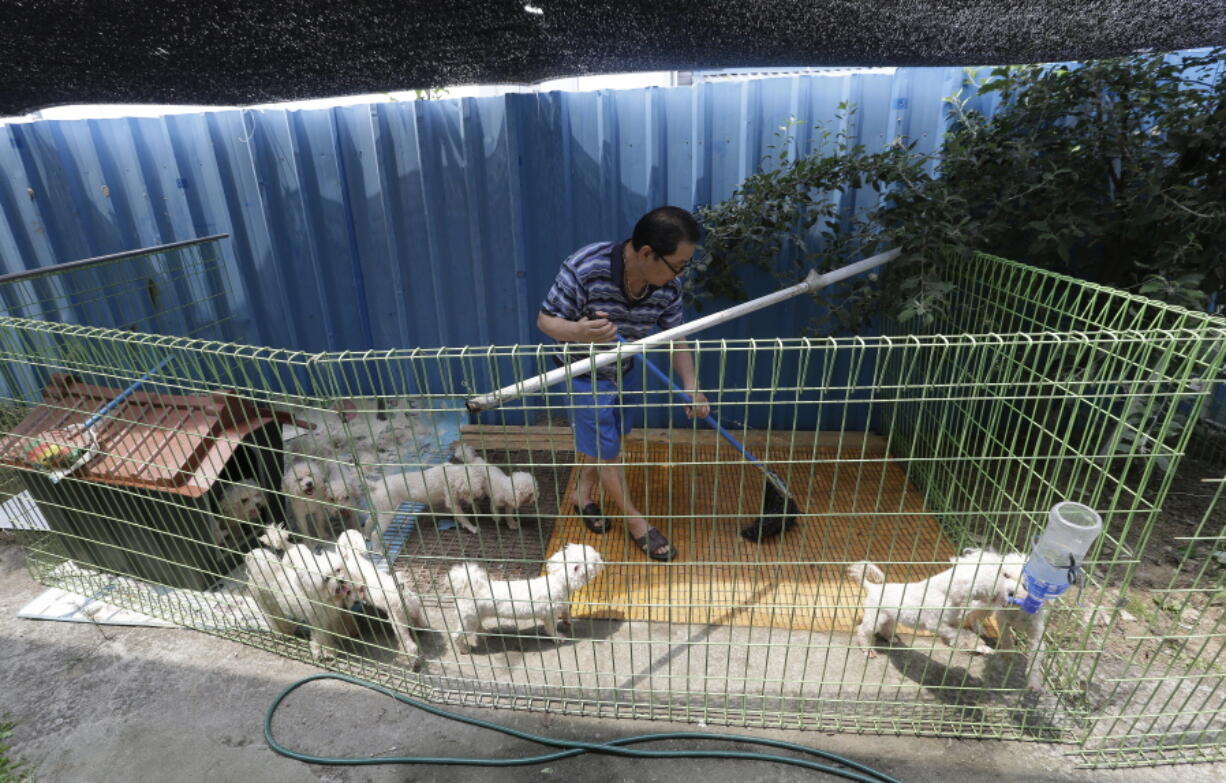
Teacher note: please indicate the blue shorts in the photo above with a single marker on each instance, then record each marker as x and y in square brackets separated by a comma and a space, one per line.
[601, 417]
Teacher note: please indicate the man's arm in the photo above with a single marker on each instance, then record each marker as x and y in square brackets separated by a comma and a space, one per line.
[601, 330]
[585, 330]
[683, 363]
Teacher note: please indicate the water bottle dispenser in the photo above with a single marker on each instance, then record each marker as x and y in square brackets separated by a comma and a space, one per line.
[1055, 561]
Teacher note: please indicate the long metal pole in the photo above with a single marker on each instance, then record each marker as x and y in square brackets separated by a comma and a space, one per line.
[56, 269]
[813, 282]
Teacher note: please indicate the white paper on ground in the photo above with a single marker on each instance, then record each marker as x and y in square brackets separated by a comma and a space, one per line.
[57, 604]
[20, 512]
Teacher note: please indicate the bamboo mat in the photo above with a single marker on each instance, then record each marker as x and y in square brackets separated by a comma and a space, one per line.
[857, 505]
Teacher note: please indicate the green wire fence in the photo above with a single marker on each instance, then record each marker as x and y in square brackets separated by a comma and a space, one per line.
[1166, 686]
[901, 448]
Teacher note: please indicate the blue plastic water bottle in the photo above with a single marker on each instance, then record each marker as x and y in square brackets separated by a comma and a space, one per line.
[1055, 562]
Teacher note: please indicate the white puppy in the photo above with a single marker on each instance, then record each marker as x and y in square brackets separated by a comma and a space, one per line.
[302, 587]
[240, 503]
[442, 486]
[400, 604]
[940, 604]
[319, 495]
[322, 432]
[377, 443]
[1009, 621]
[462, 452]
[545, 598]
[348, 425]
[521, 491]
[507, 494]
[400, 430]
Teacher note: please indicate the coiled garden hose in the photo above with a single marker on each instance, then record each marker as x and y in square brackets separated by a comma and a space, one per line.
[568, 748]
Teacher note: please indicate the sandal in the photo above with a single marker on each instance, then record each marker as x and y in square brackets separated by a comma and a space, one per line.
[651, 541]
[593, 518]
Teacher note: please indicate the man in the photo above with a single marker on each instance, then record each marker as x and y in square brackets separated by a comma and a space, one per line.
[628, 288]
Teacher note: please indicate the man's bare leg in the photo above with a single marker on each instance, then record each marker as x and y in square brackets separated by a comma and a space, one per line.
[585, 492]
[613, 479]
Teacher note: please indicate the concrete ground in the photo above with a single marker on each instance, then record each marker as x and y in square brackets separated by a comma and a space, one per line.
[106, 703]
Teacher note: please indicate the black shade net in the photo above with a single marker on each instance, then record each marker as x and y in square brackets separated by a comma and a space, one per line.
[235, 52]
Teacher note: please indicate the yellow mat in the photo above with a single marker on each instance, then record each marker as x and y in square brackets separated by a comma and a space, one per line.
[857, 507]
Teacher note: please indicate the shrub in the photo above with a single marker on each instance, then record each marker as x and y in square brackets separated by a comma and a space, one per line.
[1112, 171]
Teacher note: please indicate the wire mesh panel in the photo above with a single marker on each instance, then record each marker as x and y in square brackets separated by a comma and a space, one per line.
[347, 508]
[1165, 700]
[1209, 441]
[182, 289]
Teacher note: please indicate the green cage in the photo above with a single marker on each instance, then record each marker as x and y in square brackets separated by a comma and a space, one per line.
[902, 448]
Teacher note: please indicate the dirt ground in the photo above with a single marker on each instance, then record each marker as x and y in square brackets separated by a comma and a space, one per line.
[65, 690]
[1184, 510]
[1156, 688]
[96, 704]
[1178, 582]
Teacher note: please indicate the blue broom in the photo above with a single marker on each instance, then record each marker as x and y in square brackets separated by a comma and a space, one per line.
[779, 509]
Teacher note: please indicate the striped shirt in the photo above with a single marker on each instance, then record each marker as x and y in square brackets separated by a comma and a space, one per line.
[593, 279]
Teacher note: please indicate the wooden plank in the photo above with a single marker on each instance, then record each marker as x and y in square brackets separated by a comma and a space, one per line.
[849, 511]
[558, 438]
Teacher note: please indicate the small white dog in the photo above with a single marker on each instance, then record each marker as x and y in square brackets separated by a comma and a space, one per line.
[442, 486]
[371, 430]
[302, 587]
[507, 494]
[1011, 619]
[401, 429]
[545, 598]
[978, 580]
[462, 452]
[399, 603]
[319, 494]
[240, 503]
[323, 432]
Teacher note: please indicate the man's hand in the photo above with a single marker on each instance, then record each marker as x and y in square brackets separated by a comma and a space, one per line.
[701, 408]
[595, 330]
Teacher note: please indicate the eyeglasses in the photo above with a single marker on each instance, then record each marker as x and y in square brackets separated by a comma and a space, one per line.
[678, 271]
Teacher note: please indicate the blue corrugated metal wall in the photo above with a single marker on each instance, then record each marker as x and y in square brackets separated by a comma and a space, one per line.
[422, 223]
[436, 223]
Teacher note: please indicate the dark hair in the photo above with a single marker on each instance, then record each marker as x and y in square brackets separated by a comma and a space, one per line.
[664, 228]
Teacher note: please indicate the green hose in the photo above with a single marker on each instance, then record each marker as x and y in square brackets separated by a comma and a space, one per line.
[616, 747]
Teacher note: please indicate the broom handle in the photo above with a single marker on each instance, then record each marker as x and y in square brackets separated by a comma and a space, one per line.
[813, 282]
[709, 420]
[123, 395]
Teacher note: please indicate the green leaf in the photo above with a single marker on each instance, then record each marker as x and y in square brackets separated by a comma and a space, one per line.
[1093, 163]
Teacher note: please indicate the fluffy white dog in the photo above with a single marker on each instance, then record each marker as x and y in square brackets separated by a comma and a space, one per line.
[462, 452]
[545, 599]
[301, 586]
[370, 430]
[978, 580]
[240, 503]
[442, 486]
[399, 603]
[400, 430]
[507, 494]
[319, 494]
[1009, 621]
[324, 432]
